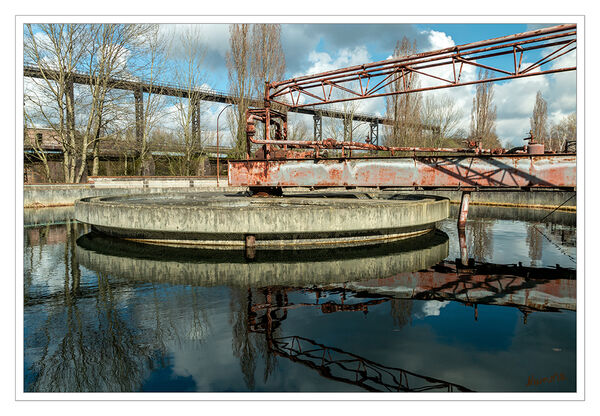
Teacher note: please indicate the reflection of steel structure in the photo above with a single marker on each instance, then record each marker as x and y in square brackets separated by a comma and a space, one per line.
[339, 365]
[276, 164]
[526, 288]
[335, 363]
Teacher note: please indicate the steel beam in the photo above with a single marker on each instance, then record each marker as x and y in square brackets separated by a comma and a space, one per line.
[172, 90]
[508, 171]
[374, 133]
[318, 127]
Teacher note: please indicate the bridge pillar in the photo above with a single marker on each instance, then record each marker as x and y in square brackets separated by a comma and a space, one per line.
[347, 129]
[318, 126]
[196, 131]
[138, 95]
[374, 133]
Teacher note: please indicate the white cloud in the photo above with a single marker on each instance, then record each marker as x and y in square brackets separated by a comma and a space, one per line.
[432, 308]
[438, 40]
[322, 61]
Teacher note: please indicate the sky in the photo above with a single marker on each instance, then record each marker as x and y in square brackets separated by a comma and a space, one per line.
[313, 48]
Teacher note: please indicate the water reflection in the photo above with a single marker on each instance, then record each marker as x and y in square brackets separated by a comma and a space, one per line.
[109, 315]
[147, 263]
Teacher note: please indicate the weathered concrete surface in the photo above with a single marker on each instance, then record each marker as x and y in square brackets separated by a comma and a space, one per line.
[60, 195]
[143, 263]
[225, 220]
[517, 214]
[531, 199]
[539, 198]
[156, 181]
[55, 215]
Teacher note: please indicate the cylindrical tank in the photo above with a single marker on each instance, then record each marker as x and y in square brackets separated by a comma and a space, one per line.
[535, 149]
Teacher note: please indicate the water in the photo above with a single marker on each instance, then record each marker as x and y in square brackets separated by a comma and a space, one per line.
[104, 315]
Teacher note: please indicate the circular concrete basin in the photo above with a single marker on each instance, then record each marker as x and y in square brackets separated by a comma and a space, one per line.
[137, 262]
[234, 220]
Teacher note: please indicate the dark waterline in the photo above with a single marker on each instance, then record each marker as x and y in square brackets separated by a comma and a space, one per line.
[105, 315]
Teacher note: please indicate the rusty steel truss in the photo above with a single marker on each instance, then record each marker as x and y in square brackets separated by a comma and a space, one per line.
[280, 162]
[390, 77]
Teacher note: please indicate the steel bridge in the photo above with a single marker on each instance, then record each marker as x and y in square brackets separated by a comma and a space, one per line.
[195, 94]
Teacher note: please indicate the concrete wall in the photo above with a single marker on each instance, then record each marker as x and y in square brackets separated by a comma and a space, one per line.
[37, 196]
[526, 199]
[518, 199]
[59, 195]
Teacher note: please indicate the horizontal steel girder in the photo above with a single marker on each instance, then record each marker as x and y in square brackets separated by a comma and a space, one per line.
[550, 171]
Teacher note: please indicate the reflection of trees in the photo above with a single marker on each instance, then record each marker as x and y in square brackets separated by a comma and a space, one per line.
[248, 348]
[401, 309]
[565, 235]
[242, 346]
[80, 356]
[535, 244]
[91, 338]
[480, 239]
[86, 348]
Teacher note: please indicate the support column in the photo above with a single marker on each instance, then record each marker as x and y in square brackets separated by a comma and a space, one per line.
[374, 133]
[318, 126]
[138, 95]
[347, 129]
[462, 244]
[250, 246]
[196, 131]
[464, 210]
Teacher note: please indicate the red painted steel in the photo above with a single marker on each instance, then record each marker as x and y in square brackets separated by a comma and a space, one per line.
[549, 171]
[464, 210]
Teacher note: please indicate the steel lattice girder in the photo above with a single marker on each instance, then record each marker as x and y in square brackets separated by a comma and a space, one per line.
[550, 171]
[389, 77]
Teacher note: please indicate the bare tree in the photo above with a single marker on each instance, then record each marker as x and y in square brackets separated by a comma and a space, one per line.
[154, 63]
[298, 130]
[255, 57]
[240, 82]
[340, 129]
[268, 59]
[562, 132]
[539, 120]
[442, 117]
[483, 114]
[190, 75]
[56, 49]
[62, 50]
[404, 109]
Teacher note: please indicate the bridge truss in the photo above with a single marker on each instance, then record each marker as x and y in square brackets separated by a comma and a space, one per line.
[278, 164]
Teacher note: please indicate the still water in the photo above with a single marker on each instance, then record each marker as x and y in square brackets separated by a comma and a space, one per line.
[105, 315]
